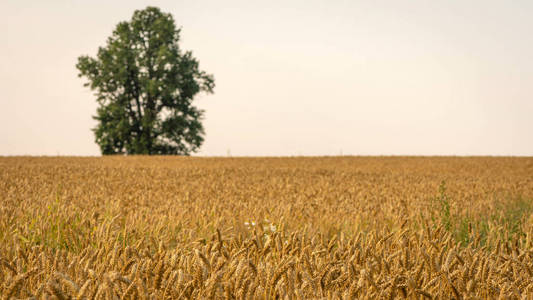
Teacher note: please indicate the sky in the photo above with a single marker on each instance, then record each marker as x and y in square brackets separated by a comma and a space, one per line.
[292, 78]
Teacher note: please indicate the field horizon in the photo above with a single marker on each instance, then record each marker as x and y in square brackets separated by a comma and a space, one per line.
[277, 156]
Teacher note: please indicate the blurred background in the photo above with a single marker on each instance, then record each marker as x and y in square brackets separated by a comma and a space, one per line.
[292, 77]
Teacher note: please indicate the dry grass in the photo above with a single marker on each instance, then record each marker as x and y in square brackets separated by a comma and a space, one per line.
[266, 228]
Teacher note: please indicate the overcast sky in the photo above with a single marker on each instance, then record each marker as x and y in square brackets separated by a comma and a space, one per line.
[292, 77]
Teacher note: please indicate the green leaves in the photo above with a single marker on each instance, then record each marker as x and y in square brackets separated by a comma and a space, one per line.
[145, 86]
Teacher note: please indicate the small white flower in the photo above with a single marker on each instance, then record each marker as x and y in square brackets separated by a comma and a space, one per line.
[249, 224]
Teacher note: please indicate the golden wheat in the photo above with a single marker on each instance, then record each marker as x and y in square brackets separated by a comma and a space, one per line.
[266, 228]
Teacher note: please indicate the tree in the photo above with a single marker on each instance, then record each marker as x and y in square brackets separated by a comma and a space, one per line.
[145, 86]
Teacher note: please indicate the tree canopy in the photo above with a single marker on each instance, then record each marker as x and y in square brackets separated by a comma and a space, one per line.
[145, 85]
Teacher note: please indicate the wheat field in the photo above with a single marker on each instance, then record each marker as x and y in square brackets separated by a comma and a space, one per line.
[266, 228]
